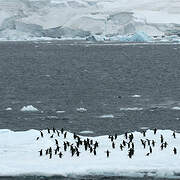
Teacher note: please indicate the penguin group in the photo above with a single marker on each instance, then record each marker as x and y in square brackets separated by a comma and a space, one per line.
[61, 145]
[89, 145]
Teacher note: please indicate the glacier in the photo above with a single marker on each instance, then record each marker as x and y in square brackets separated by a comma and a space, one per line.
[94, 20]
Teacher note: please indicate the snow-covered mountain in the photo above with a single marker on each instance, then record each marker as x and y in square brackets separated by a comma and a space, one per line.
[28, 19]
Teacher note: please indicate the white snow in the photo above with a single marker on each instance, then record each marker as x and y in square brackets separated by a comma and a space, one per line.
[81, 109]
[103, 19]
[29, 108]
[20, 156]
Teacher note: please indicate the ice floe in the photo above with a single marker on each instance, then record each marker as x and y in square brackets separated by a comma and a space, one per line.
[86, 132]
[29, 108]
[107, 116]
[81, 109]
[58, 152]
[176, 108]
[131, 109]
[8, 109]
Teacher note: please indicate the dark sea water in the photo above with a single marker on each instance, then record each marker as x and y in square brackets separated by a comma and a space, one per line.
[102, 78]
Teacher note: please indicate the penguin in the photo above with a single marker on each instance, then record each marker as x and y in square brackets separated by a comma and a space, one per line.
[94, 152]
[58, 133]
[121, 147]
[54, 130]
[91, 149]
[56, 142]
[174, 134]
[124, 143]
[77, 153]
[175, 150]
[47, 151]
[96, 144]
[144, 133]
[65, 147]
[62, 130]
[57, 148]
[60, 155]
[65, 134]
[37, 138]
[148, 142]
[150, 149]
[155, 130]
[115, 136]
[147, 154]
[50, 150]
[162, 146]
[50, 155]
[51, 136]
[162, 139]
[113, 145]
[126, 135]
[48, 131]
[165, 144]
[41, 133]
[129, 145]
[107, 153]
[131, 153]
[40, 152]
[55, 152]
[91, 142]
[74, 136]
[132, 145]
[153, 143]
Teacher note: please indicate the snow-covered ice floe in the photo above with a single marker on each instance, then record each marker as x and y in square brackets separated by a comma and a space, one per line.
[86, 132]
[29, 108]
[176, 108]
[58, 152]
[100, 20]
[81, 109]
[107, 116]
[131, 109]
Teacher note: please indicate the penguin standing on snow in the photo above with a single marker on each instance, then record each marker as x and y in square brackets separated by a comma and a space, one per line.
[175, 150]
[40, 152]
[107, 153]
[174, 134]
[41, 134]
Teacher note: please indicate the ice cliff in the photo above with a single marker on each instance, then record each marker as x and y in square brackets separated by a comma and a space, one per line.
[89, 19]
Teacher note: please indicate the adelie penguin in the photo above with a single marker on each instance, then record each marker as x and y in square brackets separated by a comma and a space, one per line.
[41, 133]
[162, 139]
[113, 145]
[65, 134]
[54, 130]
[37, 138]
[144, 133]
[40, 152]
[126, 135]
[60, 155]
[48, 131]
[155, 130]
[115, 136]
[62, 130]
[107, 153]
[51, 136]
[175, 150]
[174, 134]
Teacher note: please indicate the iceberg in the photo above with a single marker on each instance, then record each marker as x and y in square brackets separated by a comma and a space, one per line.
[81, 19]
[28, 153]
[29, 108]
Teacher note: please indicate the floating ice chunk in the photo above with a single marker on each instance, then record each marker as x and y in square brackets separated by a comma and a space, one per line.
[107, 116]
[140, 37]
[60, 112]
[144, 128]
[131, 109]
[136, 96]
[176, 108]
[86, 132]
[81, 109]
[8, 109]
[29, 108]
